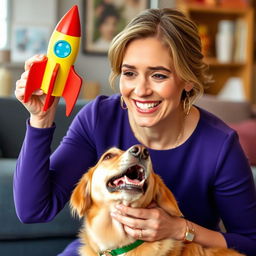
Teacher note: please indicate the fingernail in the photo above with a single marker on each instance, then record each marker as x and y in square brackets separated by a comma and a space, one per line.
[119, 206]
[38, 92]
[113, 214]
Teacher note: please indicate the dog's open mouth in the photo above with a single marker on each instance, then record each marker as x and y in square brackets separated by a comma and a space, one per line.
[132, 179]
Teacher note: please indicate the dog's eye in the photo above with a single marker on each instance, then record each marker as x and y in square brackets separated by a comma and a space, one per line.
[108, 156]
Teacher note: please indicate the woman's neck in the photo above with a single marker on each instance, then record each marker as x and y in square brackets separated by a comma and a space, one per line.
[169, 133]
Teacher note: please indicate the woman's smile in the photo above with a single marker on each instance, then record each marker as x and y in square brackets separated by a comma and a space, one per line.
[146, 107]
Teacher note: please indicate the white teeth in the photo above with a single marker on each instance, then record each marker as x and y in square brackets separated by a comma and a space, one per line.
[132, 183]
[126, 180]
[146, 105]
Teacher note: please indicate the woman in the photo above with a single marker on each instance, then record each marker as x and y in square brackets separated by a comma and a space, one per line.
[159, 61]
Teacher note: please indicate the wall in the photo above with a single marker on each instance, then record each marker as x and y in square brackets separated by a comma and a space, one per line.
[91, 67]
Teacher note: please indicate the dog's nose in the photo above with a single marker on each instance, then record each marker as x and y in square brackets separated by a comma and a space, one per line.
[139, 151]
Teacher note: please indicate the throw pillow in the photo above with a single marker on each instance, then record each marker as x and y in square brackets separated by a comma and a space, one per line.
[247, 135]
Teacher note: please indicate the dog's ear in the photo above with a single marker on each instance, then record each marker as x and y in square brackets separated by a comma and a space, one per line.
[164, 197]
[80, 200]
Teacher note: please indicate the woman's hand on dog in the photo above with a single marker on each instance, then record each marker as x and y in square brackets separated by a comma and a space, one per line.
[149, 224]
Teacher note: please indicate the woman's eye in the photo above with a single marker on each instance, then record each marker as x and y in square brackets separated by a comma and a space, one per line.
[160, 76]
[128, 73]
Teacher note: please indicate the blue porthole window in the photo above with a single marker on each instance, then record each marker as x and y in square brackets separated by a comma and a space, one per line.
[62, 49]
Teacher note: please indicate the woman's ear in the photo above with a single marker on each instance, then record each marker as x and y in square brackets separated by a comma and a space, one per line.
[80, 200]
[188, 86]
[165, 199]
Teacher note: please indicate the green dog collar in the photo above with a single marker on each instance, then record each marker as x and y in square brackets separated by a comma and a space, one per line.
[122, 250]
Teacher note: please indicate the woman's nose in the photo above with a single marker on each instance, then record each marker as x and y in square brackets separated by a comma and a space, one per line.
[142, 88]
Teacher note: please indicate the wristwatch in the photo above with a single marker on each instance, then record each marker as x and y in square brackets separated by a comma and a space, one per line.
[189, 235]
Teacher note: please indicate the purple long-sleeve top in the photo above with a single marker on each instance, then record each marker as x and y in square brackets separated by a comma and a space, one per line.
[208, 174]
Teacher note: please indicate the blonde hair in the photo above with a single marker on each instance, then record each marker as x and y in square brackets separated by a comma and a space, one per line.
[178, 33]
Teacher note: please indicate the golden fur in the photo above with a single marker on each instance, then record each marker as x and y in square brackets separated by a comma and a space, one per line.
[93, 201]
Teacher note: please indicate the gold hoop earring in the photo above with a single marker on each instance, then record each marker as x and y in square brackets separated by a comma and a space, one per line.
[187, 104]
[122, 103]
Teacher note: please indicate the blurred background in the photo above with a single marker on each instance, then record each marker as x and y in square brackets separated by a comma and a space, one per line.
[226, 28]
[26, 26]
[227, 31]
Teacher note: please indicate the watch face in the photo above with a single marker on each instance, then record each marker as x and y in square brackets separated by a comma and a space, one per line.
[190, 236]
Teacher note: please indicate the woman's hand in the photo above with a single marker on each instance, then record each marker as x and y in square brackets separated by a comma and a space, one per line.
[38, 117]
[150, 224]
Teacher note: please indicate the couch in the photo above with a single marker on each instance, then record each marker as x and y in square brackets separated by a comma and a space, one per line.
[17, 239]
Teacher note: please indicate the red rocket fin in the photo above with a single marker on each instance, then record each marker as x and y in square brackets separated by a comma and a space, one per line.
[49, 98]
[71, 90]
[35, 78]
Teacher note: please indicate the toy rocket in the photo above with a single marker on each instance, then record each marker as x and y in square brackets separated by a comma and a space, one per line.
[55, 75]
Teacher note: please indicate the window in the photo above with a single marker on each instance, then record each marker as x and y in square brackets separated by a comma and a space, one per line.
[3, 23]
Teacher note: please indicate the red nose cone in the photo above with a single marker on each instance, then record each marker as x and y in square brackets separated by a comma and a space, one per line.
[70, 23]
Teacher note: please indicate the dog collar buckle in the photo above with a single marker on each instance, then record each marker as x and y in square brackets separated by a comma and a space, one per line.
[121, 250]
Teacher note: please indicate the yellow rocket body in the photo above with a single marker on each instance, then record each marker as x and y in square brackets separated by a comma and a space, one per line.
[65, 63]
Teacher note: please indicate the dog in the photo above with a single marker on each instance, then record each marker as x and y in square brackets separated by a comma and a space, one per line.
[126, 177]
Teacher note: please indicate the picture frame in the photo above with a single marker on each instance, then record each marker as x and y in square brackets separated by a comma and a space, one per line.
[28, 41]
[103, 19]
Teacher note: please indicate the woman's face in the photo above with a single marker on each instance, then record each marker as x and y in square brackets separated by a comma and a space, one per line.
[148, 83]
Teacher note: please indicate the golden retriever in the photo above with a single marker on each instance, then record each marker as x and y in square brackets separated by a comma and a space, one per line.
[126, 177]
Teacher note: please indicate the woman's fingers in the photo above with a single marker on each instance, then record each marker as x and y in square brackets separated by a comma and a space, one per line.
[33, 59]
[136, 233]
[131, 222]
[38, 92]
[137, 228]
[24, 75]
[19, 94]
[136, 217]
[142, 234]
[141, 213]
[151, 223]
[21, 83]
[35, 104]
[134, 212]
[19, 89]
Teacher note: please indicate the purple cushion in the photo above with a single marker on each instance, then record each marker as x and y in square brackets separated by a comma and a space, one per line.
[247, 136]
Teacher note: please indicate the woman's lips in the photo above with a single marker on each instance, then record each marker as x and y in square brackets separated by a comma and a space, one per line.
[147, 107]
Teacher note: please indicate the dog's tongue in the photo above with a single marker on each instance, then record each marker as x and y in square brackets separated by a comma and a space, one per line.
[125, 180]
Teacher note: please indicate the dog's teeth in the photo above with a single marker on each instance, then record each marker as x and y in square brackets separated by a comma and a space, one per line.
[127, 180]
[141, 170]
